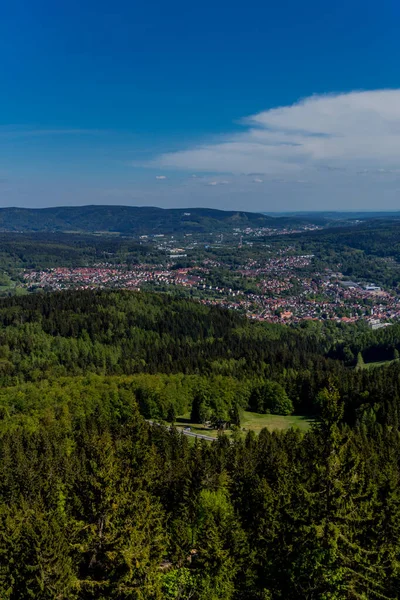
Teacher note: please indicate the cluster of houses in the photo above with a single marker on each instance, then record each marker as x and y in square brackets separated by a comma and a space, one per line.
[288, 293]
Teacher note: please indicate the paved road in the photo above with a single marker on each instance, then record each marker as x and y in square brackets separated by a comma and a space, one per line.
[198, 435]
[188, 433]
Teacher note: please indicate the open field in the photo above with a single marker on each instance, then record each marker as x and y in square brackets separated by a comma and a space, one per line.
[251, 422]
[256, 422]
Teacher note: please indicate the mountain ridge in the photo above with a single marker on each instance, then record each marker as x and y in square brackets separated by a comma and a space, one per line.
[134, 219]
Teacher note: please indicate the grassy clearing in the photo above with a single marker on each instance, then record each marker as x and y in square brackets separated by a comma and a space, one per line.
[252, 422]
[255, 422]
[13, 287]
[381, 363]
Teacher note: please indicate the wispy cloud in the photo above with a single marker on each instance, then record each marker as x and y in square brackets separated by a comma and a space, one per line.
[160, 177]
[357, 131]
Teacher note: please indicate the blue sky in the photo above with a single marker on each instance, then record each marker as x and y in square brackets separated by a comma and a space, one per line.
[243, 105]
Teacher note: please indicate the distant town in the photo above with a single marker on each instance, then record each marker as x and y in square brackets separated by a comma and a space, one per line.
[284, 287]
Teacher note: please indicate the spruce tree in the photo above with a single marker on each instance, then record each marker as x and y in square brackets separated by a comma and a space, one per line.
[337, 552]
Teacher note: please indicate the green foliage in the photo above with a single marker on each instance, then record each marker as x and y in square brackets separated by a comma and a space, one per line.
[265, 367]
[96, 503]
[179, 584]
[271, 398]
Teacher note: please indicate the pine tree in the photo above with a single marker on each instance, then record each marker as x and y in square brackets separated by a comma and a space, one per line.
[171, 414]
[234, 415]
[120, 536]
[35, 556]
[335, 554]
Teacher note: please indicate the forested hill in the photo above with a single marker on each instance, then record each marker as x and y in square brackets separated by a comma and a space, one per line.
[98, 504]
[133, 219]
[113, 333]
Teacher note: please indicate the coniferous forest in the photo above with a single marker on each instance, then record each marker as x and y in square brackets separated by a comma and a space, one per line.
[98, 503]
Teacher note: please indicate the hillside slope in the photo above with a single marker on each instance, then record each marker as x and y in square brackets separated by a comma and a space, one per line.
[133, 219]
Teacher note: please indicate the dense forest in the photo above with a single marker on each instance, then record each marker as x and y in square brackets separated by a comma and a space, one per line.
[130, 333]
[97, 503]
[49, 250]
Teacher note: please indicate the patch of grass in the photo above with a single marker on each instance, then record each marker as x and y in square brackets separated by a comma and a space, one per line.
[251, 421]
[14, 288]
[381, 363]
[255, 422]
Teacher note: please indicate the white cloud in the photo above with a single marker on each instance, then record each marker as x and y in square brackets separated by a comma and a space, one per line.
[223, 182]
[353, 132]
[258, 180]
[161, 177]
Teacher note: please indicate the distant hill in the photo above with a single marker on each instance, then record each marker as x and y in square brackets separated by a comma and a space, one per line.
[135, 220]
